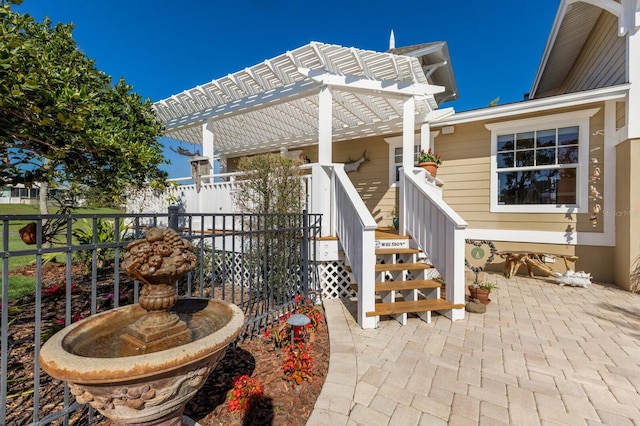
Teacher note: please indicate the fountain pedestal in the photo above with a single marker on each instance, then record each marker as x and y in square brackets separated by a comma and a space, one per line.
[140, 364]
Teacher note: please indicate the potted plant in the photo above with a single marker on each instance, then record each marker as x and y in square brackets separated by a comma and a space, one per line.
[394, 217]
[429, 161]
[480, 291]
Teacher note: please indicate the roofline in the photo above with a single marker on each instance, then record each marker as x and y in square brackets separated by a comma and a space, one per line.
[535, 105]
[557, 23]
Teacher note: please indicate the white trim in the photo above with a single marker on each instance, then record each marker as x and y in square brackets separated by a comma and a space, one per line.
[579, 118]
[355, 83]
[537, 105]
[396, 142]
[606, 239]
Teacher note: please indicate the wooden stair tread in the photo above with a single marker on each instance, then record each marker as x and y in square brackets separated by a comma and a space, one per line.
[406, 285]
[388, 234]
[397, 251]
[413, 306]
[381, 267]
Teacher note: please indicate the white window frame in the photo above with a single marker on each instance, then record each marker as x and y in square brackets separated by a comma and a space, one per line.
[568, 119]
[396, 142]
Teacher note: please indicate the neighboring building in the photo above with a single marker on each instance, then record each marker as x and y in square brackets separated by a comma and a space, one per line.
[19, 194]
[553, 173]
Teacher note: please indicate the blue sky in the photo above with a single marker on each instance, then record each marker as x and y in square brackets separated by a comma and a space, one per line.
[164, 47]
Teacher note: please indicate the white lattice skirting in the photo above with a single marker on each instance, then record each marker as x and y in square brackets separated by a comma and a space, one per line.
[335, 280]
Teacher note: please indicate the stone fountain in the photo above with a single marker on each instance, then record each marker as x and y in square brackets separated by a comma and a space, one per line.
[140, 364]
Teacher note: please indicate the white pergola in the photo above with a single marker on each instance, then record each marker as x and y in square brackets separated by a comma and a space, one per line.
[316, 94]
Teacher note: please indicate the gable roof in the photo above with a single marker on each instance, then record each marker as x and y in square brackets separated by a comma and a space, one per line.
[275, 103]
[436, 64]
[574, 22]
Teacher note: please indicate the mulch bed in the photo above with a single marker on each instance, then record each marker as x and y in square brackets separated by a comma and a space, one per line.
[281, 404]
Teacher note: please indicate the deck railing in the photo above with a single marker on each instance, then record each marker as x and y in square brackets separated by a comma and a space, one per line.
[259, 262]
[355, 228]
[437, 229]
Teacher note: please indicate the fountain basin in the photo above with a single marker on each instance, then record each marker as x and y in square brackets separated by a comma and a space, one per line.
[146, 388]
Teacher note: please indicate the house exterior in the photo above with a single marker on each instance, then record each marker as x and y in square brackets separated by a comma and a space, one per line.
[552, 173]
[583, 109]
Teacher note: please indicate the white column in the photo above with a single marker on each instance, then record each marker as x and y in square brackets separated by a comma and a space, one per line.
[633, 68]
[324, 126]
[321, 201]
[408, 162]
[426, 141]
[208, 142]
[408, 131]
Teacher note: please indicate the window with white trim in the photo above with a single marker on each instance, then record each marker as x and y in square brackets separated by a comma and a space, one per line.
[397, 160]
[539, 164]
[395, 154]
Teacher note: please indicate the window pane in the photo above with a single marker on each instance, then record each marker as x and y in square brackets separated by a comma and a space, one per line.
[505, 160]
[568, 155]
[546, 138]
[545, 157]
[524, 140]
[524, 158]
[567, 186]
[397, 155]
[505, 143]
[568, 136]
[550, 186]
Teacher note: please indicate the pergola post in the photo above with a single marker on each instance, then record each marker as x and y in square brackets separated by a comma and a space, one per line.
[408, 132]
[408, 126]
[321, 194]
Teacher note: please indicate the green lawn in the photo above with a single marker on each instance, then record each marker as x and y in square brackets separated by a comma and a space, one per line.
[20, 285]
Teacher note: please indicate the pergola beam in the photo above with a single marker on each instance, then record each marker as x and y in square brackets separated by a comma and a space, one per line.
[354, 83]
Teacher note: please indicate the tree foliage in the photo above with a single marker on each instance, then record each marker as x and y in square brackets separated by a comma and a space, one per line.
[272, 185]
[61, 119]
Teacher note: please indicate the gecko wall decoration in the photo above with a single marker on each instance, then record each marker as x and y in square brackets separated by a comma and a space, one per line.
[352, 166]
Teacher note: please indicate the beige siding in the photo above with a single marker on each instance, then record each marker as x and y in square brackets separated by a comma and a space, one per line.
[601, 61]
[372, 178]
[466, 173]
[627, 213]
[595, 260]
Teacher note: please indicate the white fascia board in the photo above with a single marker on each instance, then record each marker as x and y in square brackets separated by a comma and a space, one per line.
[269, 98]
[536, 105]
[368, 85]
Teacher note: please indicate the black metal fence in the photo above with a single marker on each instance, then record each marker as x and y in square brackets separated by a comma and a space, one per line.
[258, 262]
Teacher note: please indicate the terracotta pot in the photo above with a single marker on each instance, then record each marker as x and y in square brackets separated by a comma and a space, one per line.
[28, 233]
[481, 294]
[431, 167]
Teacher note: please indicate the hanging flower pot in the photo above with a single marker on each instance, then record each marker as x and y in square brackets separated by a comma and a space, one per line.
[28, 233]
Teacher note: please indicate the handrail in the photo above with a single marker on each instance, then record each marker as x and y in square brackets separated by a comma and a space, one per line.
[437, 229]
[355, 228]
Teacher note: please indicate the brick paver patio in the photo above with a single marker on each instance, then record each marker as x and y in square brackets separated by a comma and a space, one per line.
[541, 355]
